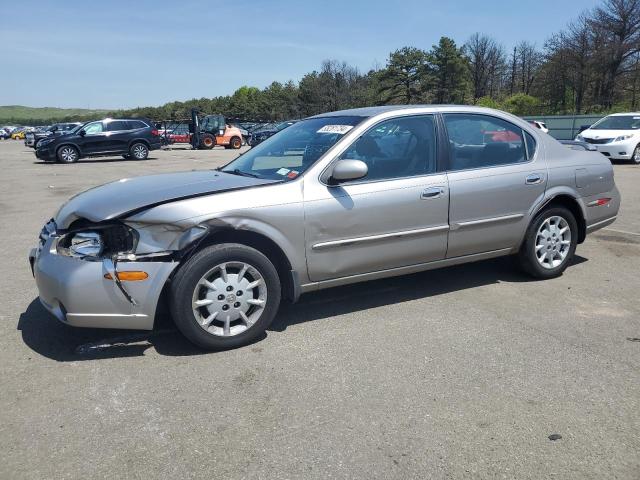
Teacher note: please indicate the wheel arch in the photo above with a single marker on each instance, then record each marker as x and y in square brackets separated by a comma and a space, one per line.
[138, 140]
[570, 202]
[265, 245]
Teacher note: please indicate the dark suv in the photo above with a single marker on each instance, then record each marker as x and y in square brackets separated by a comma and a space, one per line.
[131, 138]
[32, 139]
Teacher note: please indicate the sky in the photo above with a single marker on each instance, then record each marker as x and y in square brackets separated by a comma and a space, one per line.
[123, 54]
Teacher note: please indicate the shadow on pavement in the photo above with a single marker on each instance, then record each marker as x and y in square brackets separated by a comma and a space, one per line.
[48, 337]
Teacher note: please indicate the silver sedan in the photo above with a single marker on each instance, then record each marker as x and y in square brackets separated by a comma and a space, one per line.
[334, 199]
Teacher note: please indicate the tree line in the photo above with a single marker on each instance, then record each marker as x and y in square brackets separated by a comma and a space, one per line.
[592, 66]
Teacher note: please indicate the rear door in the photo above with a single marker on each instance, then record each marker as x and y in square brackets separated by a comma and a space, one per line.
[496, 175]
[118, 134]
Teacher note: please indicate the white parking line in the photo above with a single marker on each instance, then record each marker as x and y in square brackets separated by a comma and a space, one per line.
[622, 231]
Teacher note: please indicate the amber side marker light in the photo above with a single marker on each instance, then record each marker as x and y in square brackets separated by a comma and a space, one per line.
[134, 276]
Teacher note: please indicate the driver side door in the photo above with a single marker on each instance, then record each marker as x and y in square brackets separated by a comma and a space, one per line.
[397, 215]
[95, 138]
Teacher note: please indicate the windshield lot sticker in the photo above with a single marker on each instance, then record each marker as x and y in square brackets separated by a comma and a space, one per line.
[283, 171]
[341, 129]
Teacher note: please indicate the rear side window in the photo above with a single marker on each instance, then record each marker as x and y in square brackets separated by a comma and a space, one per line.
[117, 126]
[479, 141]
[135, 124]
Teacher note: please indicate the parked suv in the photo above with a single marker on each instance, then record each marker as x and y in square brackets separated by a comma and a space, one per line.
[334, 199]
[33, 138]
[131, 138]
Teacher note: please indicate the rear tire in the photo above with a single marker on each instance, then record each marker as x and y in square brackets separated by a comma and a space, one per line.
[237, 306]
[207, 141]
[67, 154]
[139, 151]
[549, 244]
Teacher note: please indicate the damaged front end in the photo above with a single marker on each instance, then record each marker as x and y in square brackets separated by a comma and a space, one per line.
[108, 274]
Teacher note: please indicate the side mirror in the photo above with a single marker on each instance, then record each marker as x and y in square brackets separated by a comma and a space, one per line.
[82, 133]
[345, 170]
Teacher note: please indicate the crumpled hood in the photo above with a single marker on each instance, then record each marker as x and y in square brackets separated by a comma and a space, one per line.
[122, 197]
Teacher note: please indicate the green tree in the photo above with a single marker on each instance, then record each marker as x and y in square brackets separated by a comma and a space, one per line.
[405, 76]
[521, 104]
[449, 72]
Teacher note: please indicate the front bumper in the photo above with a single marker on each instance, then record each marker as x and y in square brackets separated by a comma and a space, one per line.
[617, 150]
[46, 154]
[76, 292]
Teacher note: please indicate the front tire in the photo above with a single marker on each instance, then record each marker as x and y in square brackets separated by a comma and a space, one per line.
[68, 154]
[139, 151]
[549, 244]
[236, 143]
[636, 155]
[207, 141]
[225, 296]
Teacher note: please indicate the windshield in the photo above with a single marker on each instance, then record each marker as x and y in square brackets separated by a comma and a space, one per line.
[291, 151]
[618, 122]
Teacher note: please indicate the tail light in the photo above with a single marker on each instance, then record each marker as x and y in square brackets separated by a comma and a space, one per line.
[155, 132]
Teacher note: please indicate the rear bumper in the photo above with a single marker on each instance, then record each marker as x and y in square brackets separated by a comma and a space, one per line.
[76, 292]
[597, 217]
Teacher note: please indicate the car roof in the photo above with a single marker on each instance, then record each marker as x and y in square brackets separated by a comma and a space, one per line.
[623, 114]
[373, 111]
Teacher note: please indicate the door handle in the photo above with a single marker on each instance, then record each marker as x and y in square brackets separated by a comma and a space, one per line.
[533, 179]
[432, 192]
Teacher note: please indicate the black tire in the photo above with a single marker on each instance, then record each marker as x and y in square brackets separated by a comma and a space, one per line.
[636, 155]
[187, 279]
[527, 256]
[138, 151]
[207, 141]
[235, 143]
[67, 154]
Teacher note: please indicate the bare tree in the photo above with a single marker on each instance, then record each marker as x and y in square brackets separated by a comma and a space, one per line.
[617, 22]
[487, 63]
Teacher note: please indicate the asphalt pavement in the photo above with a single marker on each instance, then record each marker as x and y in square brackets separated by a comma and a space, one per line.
[475, 371]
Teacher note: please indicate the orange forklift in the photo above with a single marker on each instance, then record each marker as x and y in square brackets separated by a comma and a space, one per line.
[212, 130]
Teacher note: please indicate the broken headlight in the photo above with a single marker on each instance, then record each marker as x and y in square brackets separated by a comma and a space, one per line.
[98, 242]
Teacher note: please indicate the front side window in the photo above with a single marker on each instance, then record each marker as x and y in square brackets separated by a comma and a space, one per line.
[479, 141]
[94, 128]
[397, 148]
[293, 150]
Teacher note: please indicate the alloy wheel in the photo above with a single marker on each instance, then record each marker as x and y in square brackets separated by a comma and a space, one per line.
[69, 154]
[229, 299]
[140, 152]
[553, 242]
